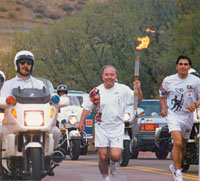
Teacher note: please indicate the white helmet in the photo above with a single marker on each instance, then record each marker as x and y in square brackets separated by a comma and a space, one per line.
[2, 76]
[194, 72]
[24, 54]
[191, 70]
[62, 88]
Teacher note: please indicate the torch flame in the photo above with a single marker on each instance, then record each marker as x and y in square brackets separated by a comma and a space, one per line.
[149, 30]
[144, 42]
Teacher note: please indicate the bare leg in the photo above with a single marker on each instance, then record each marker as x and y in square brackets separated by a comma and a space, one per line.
[115, 154]
[177, 149]
[103, 161]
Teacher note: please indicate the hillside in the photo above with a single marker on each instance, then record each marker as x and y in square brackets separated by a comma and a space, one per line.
[20, 15]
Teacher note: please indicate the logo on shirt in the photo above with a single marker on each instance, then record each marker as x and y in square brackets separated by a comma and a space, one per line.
[117, 99]
[177, 100]
[190, 88]
[116, 92]
[179, 90]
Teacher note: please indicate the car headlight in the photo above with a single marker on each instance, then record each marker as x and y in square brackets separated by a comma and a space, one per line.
[73, 120]
[34, 118]
[127, 117]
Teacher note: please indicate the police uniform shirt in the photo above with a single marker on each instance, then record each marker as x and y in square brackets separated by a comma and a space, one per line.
[9, 85]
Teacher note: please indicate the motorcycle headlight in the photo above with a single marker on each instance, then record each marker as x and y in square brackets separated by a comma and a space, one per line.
[127, 117]
[73, 120]
[156, 131]
[198, 113]
[34, 118]
[1, 117]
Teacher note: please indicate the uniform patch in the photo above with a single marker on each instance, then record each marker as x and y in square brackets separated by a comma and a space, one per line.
[162, 91]
[95, 99]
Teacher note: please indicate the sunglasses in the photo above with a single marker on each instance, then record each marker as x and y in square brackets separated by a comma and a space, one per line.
[28, 62]
[186, 64]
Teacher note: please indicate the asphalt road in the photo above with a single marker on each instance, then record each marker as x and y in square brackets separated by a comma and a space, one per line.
[146, 168]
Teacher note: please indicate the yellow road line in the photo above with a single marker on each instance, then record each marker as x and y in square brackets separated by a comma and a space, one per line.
[147, 169]
[155, 170]
[81, 162]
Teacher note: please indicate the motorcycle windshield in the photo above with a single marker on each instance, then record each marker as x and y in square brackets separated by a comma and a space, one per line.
[31, 95]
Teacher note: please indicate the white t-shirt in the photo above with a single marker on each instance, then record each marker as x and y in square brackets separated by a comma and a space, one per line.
[113, 102]
[9, 85]
[180, 92]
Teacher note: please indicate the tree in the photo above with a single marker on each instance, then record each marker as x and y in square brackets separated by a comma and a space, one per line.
[73, 50]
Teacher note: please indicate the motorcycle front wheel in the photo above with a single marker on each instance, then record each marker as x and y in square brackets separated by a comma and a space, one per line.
[35, 163]
[84, 150]
[125, 155]
[74, 150]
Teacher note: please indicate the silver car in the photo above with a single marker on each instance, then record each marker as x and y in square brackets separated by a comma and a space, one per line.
[145, 129]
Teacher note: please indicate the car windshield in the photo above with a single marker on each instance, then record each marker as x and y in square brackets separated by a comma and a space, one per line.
[73, 100]
[151, 108]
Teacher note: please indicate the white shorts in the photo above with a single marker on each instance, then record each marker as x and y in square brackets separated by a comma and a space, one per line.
[105, 139]
[180, 122]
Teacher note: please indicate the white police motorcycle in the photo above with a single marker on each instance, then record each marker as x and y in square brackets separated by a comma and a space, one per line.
[72, 141]
[28, 133]
[130, 120]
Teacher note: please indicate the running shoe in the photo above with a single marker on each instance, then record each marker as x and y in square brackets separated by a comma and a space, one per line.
[172, 169]
[107, 178]
[177, 175]
[113, 167]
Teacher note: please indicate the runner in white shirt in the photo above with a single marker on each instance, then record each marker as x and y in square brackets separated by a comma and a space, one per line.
[110, 99]
[182, 92]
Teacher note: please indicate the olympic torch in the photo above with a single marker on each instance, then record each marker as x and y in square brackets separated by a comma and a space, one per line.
[144, 44]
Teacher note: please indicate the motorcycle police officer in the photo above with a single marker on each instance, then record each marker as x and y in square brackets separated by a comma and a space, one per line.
[62, 90]
[24, 64]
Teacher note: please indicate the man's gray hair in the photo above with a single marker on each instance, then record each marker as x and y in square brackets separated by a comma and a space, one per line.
[104, 67]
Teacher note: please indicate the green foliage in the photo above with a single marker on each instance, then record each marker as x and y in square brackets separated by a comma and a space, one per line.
[6, 64]
[73, 50]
